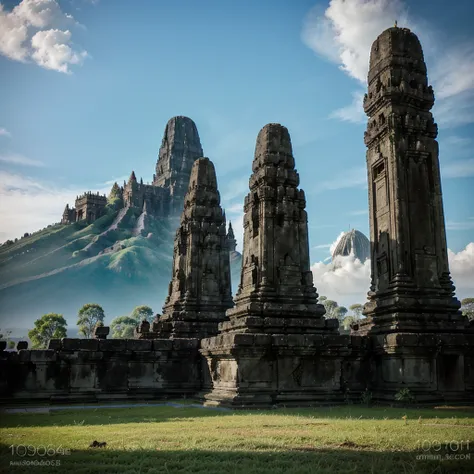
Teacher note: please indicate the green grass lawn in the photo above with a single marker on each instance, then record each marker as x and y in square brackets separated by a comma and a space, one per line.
[192, 440]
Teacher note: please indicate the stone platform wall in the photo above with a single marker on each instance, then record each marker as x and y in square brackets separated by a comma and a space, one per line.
[80, 370]
[249, 370]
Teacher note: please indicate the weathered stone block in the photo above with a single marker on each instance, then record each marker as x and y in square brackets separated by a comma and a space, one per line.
[55, 344]
[24, 355]
[185, 344]
[313, 340]
[243, 339]
[101, 332]
[88, 344]
[115, 345]
[43, 355]
[22, 345]
[427, 340]
[70, 344]
[139, 345]
[280, 340]
[162, 345]
[262, 339]
[296, 339]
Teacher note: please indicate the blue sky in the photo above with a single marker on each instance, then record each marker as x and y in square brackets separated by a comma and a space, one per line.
[88, 86]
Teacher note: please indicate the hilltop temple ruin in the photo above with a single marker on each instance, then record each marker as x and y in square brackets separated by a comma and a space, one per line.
[179, 149]
[272, 345]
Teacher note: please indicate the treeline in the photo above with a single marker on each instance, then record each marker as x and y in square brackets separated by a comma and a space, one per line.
[54, 326]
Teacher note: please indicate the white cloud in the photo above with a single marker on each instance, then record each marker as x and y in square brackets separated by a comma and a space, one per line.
[461, 265]
[4, 132]
[346, 30]
[51, 50]
[354, 112]
[347, 280]
[20, 160]
[28, 205]
[30, 31]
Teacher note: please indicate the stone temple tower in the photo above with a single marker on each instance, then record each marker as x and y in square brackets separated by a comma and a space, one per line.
[179, 149]
[276, 284]
[277, 346]
[411, 288]
[200, 289]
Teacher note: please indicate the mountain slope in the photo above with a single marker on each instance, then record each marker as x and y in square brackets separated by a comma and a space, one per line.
[120, 261]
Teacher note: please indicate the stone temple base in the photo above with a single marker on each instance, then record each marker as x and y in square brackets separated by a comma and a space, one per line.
[264, 370]
[434, 367]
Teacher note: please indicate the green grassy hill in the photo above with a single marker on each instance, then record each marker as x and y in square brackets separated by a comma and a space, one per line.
[120, 261]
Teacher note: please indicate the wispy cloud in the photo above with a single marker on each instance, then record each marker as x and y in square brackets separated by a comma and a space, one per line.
[352, 178]
[344, 33]
[28, 205]
[118, 180]
[4, 132]
[354, 112]
[458, 169]
[20, 160]
[38, 31]
[460, 225]
[361, 212]
[322, 246]
[236, 188]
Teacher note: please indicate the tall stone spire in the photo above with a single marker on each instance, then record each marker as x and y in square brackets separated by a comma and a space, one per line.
[276, 281]
[411, 288]
[231, 241]
[200, 289]
[180, 147]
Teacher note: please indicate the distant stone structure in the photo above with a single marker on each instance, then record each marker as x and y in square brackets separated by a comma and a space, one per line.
[275, 347]
[88, 207]
[231, 241]
[354, 243]
[200, 290]
[180, 147]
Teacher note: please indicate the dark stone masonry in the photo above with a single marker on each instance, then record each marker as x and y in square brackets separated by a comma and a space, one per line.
[272, 345]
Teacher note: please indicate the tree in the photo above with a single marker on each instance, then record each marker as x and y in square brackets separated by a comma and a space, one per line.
[142, 312]
[123, 327]
[88, 317]
[330, 307]
[348, 320]
[340, 312]
[4, 336]
[11, 344]
[49, 326]
[467, 308]
[356, 310]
